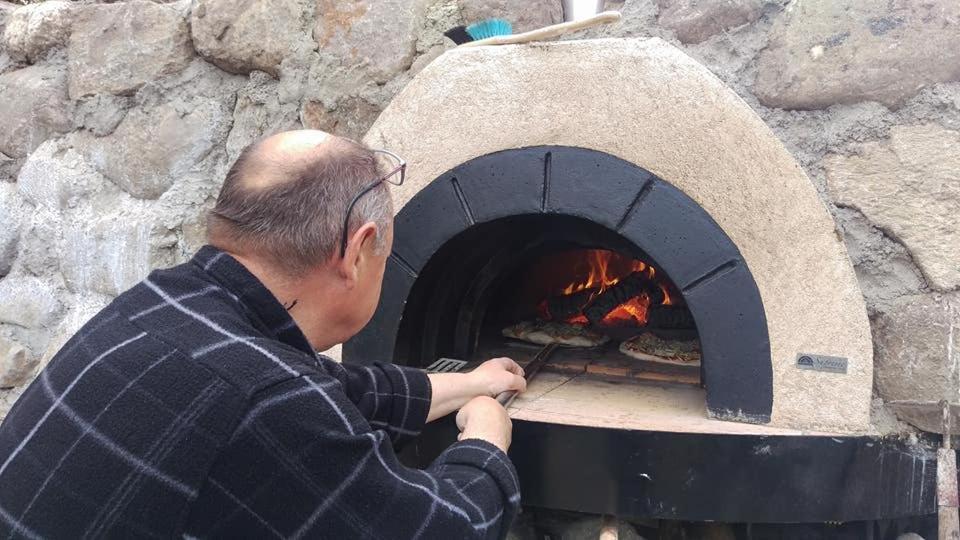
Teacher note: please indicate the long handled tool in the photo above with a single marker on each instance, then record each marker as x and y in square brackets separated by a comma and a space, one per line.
[548, 32]
[531, 369]
[450, 365]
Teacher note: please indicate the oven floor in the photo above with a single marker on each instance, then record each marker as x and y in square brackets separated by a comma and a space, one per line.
[623, 403]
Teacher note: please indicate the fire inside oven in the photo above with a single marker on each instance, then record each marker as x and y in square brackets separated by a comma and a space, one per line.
[507, 287]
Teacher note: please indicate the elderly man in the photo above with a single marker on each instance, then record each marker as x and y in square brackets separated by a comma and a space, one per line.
[195, 405]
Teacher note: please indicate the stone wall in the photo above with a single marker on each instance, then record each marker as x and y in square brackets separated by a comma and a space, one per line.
[119, 120]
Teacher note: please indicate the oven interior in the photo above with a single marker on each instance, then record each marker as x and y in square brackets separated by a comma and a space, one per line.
[548, 268]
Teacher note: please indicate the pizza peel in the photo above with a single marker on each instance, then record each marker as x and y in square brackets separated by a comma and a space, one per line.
[529, 372]
[451, 365]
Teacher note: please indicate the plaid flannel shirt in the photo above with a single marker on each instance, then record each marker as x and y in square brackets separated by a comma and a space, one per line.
[194, 406]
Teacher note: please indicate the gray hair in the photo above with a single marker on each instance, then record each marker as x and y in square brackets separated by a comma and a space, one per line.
[296, 219]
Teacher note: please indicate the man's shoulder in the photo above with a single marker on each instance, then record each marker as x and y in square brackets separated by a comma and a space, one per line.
[208, 324]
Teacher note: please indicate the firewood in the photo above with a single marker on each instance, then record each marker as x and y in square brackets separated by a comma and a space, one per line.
[629, 287]
[563, 307]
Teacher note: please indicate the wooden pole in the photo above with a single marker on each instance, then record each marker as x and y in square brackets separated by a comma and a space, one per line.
[948, 517]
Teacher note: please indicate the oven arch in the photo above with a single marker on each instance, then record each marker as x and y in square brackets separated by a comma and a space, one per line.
[656, 217]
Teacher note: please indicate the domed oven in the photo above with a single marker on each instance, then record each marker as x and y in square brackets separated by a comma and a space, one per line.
[614, 191]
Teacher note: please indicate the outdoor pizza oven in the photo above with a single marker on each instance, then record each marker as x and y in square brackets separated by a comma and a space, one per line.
[618, 186]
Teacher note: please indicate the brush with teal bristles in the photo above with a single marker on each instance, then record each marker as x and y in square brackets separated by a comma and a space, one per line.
[499, 32]
[479, 30]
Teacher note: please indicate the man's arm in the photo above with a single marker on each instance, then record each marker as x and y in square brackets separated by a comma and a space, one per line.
[302, 464]
[391, 396]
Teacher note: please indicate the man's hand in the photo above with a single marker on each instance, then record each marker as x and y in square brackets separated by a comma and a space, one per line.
[484, 418]
[450, 391]
[498, 375]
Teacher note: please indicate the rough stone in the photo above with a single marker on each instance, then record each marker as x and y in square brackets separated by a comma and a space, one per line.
[33, 106]
[28, 302]
[917, 344]
[39, 250]
[117, 48]
[909, 186]
[102, 113]
[8, 398]
[56, 176]
[694, 21]
[523, 15]
[842, 51]
[34, 29]
[12, 209]
[153, 146]
[110, 252]
[6, 10]
[16, 364]
[244, 36]
[259, 112]
[9, 167]
[376, 37]
[884, 268]
[351, 117]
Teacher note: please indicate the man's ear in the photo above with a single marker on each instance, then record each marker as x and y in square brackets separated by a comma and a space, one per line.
[359, 247]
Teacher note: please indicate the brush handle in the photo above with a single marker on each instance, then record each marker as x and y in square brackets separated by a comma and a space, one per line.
[548, 32]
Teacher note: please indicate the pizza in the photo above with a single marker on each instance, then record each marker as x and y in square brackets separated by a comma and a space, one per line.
[647, 346]
[545, 333]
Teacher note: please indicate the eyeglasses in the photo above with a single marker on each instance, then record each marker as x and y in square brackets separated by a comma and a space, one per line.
[399, 166]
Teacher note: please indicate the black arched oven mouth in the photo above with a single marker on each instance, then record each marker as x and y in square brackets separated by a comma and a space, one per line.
[458, 241]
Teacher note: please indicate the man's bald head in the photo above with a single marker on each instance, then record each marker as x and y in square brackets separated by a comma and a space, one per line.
[286, 196]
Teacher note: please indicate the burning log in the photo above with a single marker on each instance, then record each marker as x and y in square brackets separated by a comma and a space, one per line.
[633, 285]
[566, 306]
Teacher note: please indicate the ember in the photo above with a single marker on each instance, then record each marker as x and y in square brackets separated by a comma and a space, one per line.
[599, 287]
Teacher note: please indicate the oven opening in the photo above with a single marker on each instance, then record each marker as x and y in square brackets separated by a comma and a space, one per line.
[508, 287]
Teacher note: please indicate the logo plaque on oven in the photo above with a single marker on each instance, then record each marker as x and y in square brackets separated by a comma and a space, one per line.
[818, 362]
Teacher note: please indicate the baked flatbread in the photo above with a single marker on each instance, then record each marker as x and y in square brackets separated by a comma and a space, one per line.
[545, 333]
[647, 346]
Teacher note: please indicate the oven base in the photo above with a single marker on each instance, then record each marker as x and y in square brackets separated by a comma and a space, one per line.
[711, 477]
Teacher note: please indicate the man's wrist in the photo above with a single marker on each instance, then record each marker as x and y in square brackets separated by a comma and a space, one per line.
[476, 384]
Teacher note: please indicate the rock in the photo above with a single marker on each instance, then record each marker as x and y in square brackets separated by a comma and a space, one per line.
[29, 302]
[6, 10]
[33, 106]
[377, 37]
[99, 256]
[9, 168]
[16, 364]
[259, 112]
[117, 48]
[40, 236]
[56, 176]
[34, 29]
[8, 398]
[102, 113]
[909, 186]
[884, 267]
[523, 14]
[12, 209]
[351, 117]
[694, 21]
[824, 52]
[241, 37]
[155, 145]
[917, 346]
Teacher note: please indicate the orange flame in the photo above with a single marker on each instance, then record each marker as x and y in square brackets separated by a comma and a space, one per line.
[605, 269]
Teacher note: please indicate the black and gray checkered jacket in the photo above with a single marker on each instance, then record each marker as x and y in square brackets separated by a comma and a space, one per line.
[194, 406]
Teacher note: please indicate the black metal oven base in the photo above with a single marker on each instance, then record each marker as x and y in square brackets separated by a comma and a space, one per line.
[707, 477]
